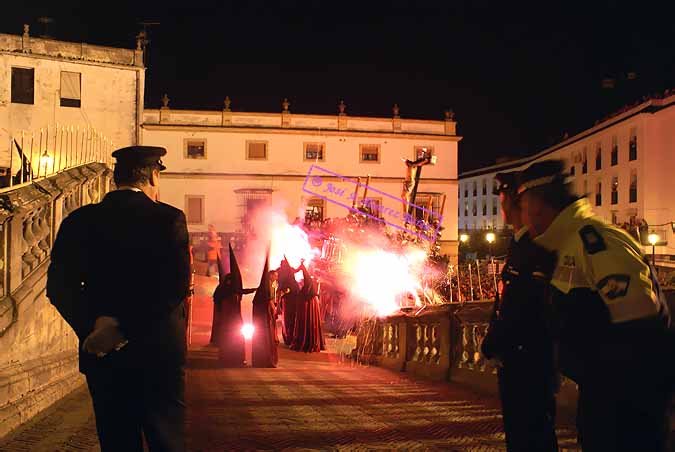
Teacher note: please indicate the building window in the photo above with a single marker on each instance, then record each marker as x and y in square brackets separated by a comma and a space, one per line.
[466, 208]
[615, 190]
[584, 162]
[632, 194]
[423, 151]
[194, 209]
[314, 151]
[598, 194]
[194, 149]
[256, 150]
[369, 153]
[70, 89]
[484, 187]
[475, 209]
[573, 169]
[615, 152]
[23, 85]
[484, 208]
[314, 210]
[598, 157]
[475, 188]
[632, 146]
[429, 201]
[466, 191]
[495, 203]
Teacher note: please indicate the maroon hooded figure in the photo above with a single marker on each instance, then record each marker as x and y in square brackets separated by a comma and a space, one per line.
[264, 344]
[290, 291]
[227, 322]
[308, 333]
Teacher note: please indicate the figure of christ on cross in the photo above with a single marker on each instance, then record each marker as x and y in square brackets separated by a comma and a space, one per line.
[411, 168]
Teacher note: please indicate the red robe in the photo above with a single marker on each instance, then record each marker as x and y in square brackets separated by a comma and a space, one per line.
[264, 349]
[308, 333]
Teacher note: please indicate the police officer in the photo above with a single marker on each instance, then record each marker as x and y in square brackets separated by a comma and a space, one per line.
[613, 319]
[520, 338]
[119, 275]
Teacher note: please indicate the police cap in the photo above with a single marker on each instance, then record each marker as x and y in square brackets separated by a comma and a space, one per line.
[140, 156]
[547, 172]
[506, 182]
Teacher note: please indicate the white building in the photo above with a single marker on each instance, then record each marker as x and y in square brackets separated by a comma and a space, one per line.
[222, 164]
[77, 86]
[625, 165]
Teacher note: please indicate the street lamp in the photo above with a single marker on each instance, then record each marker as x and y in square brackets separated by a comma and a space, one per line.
[464, 238]
[653, 239]
[490, 237]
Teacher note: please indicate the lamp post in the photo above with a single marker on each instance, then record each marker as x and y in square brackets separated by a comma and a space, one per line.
[490, 237]
[653, 240]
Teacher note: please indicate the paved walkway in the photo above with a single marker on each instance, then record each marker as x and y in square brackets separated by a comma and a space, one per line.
[317, 401]
[311, 402]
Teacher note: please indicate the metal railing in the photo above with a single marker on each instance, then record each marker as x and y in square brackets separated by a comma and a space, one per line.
[52, 150]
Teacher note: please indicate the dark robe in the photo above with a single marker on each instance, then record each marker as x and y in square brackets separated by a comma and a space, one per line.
[264, 344]
[308, 333]
[290, 289]
[227, 325]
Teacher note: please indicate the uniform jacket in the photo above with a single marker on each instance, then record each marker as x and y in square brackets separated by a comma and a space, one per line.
[520, 331]
[606, 296]
[126, 257]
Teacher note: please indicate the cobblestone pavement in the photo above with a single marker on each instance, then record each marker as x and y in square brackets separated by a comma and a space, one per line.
[311, 402]
[314, 401]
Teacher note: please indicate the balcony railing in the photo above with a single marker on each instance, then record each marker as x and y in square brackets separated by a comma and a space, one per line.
[37, 155]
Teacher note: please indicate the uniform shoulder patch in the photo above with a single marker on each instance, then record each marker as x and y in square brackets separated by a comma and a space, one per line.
[593, 241]
[614, 286]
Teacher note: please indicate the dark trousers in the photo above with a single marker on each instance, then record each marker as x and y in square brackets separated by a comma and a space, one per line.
[616, 418]
[528, 409]
[130, 405]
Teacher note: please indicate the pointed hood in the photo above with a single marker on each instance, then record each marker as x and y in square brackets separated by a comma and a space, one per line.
[309, 285]
[264, 293]
[287, 277]
[222, 270]
[237, 284]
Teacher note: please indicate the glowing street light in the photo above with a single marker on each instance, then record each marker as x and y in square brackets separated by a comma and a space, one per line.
[464, 238]
[45, 160]
[490, 237]
[653, 239]
[247, 331]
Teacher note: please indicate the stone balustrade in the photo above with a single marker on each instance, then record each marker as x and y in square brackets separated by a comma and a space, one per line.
[38, 363]
[441, 343]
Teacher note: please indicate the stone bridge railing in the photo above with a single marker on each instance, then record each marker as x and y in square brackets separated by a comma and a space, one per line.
[38, 350]
[441, 343]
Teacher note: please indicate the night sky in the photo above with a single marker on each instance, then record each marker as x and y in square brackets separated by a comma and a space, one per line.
[517, 74]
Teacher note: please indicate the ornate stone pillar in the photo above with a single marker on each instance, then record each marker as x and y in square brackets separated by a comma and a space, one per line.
[227, 113]
[396, 120]
[285, 114]
[164, 112]
[342, 116]
[450, 123]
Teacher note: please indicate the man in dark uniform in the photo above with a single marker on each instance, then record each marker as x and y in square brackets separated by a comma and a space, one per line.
[520, 339]
[613, 319]
[119, 275]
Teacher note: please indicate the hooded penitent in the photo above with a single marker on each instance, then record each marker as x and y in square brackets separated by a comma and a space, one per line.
[227, 321]
[264, 342]
[290, 291]
[308, 334]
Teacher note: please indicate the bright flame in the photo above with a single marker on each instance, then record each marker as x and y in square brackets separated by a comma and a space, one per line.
[247, 331]
[382, 278]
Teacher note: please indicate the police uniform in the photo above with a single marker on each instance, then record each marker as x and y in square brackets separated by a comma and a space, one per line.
[520, 337]
[127, 257]
[613, 325]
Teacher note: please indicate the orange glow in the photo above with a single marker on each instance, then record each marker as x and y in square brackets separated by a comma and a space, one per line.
[383, 279]
[247, 331]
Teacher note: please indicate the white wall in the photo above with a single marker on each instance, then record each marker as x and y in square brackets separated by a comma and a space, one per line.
[109, 97]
